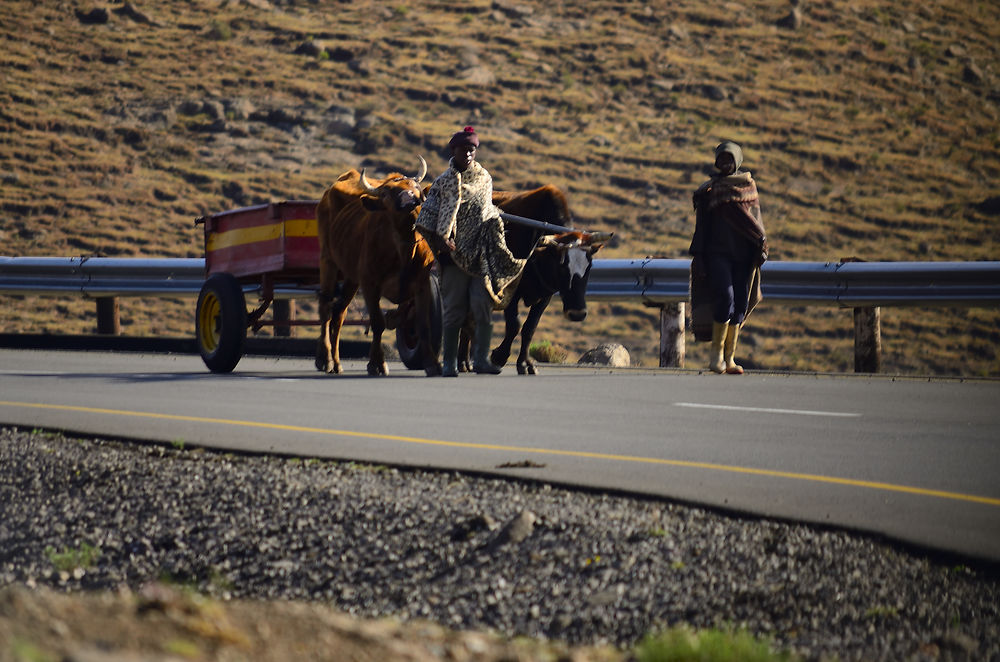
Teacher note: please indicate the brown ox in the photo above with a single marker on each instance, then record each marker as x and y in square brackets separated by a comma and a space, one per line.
[367, 240]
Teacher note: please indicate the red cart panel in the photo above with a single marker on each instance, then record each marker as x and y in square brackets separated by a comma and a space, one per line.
[272, 238]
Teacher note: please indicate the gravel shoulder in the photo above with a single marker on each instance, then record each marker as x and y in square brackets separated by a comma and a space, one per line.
[115, 547]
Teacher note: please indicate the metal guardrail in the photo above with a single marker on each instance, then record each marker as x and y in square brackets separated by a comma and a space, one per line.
[102, 276]
[863, 286]
[653, 281]
[842, 284]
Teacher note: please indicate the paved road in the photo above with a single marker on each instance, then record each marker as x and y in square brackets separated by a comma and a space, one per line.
[916, 460]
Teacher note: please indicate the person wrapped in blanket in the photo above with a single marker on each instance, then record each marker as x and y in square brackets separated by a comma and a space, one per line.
[728, 248]
[465, 231]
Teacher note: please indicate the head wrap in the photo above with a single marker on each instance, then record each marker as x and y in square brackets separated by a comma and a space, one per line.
[732, 148]
[466, 136]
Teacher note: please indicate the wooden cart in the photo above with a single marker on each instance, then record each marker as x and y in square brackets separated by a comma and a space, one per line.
[271, 250]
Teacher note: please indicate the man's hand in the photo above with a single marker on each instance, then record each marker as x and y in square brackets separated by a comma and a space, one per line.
[439, 245]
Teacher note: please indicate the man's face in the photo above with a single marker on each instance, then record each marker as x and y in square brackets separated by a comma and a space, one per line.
[462, 156]
[725, 163]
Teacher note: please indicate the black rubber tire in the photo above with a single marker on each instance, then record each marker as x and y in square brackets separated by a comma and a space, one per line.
[407, 342]
[221, 322]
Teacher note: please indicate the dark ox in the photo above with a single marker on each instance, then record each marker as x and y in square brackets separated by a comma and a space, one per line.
[557, 264]
[367, 240]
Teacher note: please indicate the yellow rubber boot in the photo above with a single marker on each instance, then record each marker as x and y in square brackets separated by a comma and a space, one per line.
[719, 334]
[732, 335]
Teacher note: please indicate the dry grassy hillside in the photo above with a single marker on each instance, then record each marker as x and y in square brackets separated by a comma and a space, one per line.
[871, 129]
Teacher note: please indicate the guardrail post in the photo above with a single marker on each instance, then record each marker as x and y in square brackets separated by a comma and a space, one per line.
[108, 320]
[672, 335]
[867, 339]
[284, 311]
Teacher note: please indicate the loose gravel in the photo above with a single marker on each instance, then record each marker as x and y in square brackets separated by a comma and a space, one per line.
[471, 552]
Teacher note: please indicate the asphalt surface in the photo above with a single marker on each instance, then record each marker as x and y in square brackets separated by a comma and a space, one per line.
[914, 460]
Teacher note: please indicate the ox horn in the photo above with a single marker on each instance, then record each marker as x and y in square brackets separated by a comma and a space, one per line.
[423, 170]
[599, 237]
[367, 187]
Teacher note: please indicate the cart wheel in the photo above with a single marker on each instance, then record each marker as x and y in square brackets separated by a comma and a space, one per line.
[407, 340]
[221, 322]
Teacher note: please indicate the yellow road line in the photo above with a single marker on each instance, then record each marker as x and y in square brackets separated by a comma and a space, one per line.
[890, 487]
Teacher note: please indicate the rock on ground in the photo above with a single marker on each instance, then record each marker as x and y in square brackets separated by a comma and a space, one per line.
[609, 354]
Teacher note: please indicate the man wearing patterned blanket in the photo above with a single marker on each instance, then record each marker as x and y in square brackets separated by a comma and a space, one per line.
[466, 233]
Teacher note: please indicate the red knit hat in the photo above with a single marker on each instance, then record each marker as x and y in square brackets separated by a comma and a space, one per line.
[466, 136]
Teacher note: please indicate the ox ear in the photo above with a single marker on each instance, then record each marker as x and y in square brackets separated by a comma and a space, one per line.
[371, 203]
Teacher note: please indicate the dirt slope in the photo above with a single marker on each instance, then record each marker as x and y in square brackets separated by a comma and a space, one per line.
[163, 624]
[871, 129]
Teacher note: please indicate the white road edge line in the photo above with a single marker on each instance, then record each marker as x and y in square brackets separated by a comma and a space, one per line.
[767, 410]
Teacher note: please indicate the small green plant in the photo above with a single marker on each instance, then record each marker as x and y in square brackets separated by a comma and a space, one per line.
[925, 50]
[219, 581]
[687, 645]
[879, 612]
[27, 651]
[178, 444]
[183, 648]
[70, 559]
[546, 352]
[220, 31]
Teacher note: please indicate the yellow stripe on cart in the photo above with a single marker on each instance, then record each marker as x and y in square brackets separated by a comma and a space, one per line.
[304, 227]
[301, 227]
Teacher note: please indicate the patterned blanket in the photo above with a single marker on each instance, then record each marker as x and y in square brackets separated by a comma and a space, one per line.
[459, 206]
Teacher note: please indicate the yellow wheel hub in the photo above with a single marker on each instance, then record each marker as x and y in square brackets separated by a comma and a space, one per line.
[209, 321]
